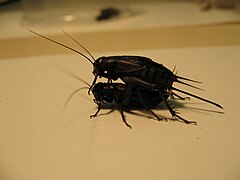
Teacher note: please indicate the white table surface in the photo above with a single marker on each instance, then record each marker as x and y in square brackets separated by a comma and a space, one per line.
[40, 141]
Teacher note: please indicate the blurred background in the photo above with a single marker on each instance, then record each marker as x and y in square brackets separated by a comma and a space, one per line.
[98, 20]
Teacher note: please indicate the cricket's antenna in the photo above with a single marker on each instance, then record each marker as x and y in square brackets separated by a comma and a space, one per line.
[79, 45]
[60, 44]
[70, 97]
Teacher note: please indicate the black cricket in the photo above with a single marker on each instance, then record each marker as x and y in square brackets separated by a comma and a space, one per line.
[120, 94]
[126, 98]
[139, 72]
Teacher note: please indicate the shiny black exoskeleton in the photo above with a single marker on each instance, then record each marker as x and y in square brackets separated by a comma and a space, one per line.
[126, 98]
[142, 73]
[138, 70]
[139, 73]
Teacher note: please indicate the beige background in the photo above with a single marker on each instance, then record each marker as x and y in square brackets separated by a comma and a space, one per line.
[40, 141]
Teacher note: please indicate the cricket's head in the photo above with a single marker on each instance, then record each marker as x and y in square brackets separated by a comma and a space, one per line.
[102, 92]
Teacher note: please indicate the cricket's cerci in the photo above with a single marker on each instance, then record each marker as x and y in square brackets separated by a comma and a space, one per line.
[144, 80]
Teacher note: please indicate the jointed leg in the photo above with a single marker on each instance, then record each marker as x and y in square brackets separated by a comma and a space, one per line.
[147, 108]
[123, 117]
[93, 83]
[99, 108]
[156, 116]
[172, 94]
[175, 114]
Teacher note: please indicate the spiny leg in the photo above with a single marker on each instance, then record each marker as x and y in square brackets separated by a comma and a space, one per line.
[123, 117]
[147, 108]
[172, 94]
[174, 112]
[180, 97]
[156, 116]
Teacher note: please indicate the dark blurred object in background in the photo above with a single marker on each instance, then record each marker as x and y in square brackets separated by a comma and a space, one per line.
[224, 4]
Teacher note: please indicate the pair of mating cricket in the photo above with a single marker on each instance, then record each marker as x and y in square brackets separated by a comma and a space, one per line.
[146, 83]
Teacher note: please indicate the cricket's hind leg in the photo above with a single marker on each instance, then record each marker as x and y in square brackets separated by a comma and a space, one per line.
[147, 108]
[173, 95]
[174, 113]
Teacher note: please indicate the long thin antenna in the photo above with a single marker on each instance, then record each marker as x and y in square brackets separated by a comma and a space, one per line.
[79, 89]
[60, 44]
[75, 77]
[197, 97]
[70, 97]
[79, 44]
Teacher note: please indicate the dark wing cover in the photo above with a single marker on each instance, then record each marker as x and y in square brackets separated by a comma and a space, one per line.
[128, 64]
